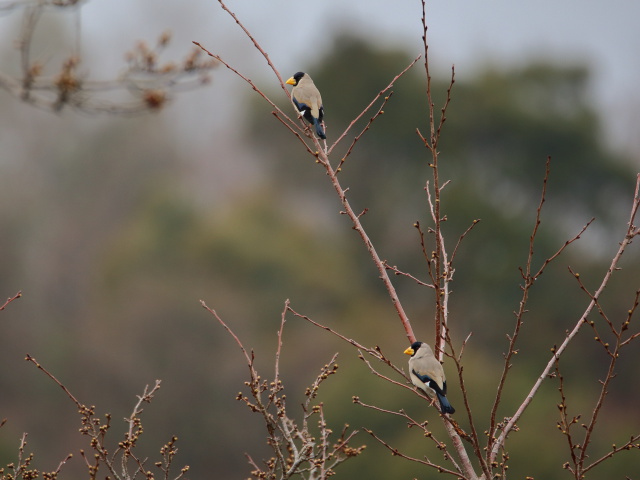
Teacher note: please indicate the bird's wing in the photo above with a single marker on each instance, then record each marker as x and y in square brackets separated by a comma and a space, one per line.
[309, 96]
[431, 383]
[316, 104]
[301, 106]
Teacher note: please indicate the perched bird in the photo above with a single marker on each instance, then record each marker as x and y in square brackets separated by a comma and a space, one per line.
[427, 373]
[307, 100]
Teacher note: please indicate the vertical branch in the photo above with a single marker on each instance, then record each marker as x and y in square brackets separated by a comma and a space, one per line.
[474, 438]
[528, 283]
[31, 17]
[276, 377]
[441, 272]
[613, 354]
[435, 206]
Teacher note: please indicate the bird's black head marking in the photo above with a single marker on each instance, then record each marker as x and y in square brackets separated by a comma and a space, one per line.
[298, 76]
[415, 346]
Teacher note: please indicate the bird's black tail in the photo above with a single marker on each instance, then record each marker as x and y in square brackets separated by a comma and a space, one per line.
[319, 129]
[445, 406]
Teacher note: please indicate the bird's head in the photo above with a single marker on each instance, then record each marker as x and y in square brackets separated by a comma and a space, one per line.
[295, 79]
[413, 348]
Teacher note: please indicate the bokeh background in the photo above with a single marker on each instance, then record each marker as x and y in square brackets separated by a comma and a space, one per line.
[115, 227]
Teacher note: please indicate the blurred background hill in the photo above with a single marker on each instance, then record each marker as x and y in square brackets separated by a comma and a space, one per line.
[115, 227]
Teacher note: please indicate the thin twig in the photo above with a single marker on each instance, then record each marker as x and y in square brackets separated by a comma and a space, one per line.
[291, 129]
[374, 352]
[255, 44]
[441, 270]
[364, 130]
[283, 319]
[29, 358]
[247, 80]
[228, 329]
[147, 396]
[411, 422]
[397, 271]
[528, 283]
[395, 452]
[443, 111]
[381, 93]
[466, 232]
[10, 299]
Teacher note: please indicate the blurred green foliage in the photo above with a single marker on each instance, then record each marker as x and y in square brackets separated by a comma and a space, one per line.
[113, 256]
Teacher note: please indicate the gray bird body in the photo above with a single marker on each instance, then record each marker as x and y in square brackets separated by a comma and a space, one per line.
[307, 100]
[427, 374]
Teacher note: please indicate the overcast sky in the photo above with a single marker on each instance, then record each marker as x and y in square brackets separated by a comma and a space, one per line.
[467, 33]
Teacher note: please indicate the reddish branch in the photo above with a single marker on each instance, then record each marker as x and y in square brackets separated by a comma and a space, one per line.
[10, 299]
[379, 263]
[322, 156]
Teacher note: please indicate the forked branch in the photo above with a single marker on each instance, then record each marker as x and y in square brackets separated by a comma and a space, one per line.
[630, 234]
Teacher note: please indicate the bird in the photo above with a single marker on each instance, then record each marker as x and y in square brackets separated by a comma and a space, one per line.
[308, 101]
[427, 374]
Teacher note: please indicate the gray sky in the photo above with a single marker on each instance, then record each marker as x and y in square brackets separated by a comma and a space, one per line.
[462, 32]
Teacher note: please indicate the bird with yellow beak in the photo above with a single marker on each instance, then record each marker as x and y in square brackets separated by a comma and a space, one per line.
[308, 101]
[427, 374]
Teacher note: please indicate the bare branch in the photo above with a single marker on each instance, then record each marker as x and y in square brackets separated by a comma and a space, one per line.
[528, 283]
[29, 358]
[281, 114]
[295, 447]
[466, 232]
[10, 299]
[364, 130]
[374, 352]
[395, 452]
[256, 44]
[276, 376]
[397, 271]
[380, 94]
[148, 82]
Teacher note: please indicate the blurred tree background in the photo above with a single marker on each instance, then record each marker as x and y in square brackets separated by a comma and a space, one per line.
[114, 233]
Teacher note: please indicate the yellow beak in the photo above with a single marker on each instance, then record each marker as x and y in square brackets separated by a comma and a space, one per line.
[409, 351]
[291, 81]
